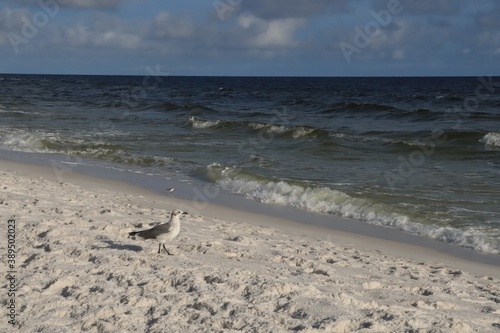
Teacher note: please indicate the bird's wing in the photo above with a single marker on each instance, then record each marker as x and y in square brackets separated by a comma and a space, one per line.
[160, 229]
[153, 232]
[146, 234]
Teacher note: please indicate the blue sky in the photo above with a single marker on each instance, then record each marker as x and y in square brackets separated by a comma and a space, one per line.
[251, 37]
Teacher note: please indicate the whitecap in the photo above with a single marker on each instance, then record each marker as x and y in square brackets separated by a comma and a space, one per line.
[21, 140]
[297, 132]
[491, 139]
[202, 124]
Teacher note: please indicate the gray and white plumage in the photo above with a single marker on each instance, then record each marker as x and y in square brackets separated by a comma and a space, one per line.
[164, 232]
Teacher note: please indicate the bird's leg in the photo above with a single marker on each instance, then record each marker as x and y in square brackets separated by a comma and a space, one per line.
[166, 250]
[159, 247]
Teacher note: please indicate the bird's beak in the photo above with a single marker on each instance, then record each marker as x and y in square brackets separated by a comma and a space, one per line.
[185, 213]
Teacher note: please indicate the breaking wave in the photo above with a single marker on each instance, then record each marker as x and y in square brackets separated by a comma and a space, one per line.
[327, 200]
[203, 124]
[492, 139]
[269, 129]
[46, 142]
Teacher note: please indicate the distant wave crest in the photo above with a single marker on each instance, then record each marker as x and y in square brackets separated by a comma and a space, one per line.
[492, 139]
[202, 124]
[269, 129]
[293, 131]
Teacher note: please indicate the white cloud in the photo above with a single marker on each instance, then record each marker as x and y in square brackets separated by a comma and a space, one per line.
[277, 32]
[104, 32]
[12, 19]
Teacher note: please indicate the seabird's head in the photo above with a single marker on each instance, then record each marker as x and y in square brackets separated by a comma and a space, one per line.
[178, 212]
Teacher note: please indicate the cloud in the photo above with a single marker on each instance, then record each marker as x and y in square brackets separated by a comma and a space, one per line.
[96, 4]
[12, 19]
[89, 4]
[294, 8]
[270, 33]
[434, 7]
[428, 32]
[488, 20]
[406, 40]
[258, 34]
[399, 54]
[424, 7]
[167, 25]
[482, 34]
[103, 32]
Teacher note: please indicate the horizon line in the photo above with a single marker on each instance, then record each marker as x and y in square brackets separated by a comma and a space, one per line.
[260, 76]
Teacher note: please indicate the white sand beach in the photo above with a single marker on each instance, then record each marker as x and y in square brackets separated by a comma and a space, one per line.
[231, 271]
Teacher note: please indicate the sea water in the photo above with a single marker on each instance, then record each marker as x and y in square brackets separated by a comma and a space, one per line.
[417, 154]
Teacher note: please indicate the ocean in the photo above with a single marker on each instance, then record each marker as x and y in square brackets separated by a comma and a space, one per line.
[417, 154]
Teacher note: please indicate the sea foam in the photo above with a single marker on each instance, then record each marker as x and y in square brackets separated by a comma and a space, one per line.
[202, 124]
[331, 201]
[492, 139]
[25, 141]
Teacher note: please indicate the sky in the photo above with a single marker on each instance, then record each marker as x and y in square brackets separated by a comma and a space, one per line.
[251, 37]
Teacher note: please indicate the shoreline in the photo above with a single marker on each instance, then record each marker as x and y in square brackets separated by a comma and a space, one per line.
[346, 232]
[230, 270]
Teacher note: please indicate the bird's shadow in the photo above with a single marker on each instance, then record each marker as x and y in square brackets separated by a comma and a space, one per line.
[115, 246]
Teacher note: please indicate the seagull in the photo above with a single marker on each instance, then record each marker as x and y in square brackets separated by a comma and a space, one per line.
[170, 189]
[163, 232]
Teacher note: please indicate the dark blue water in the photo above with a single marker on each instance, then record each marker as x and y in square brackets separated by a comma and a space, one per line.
[418, 154]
